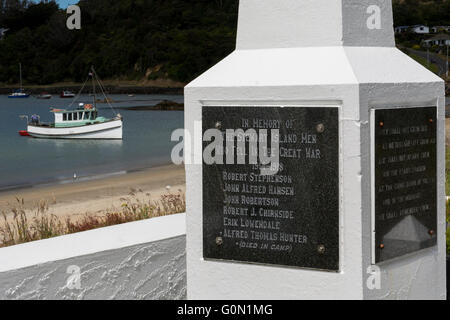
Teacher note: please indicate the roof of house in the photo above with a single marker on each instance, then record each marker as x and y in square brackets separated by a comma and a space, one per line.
[441, 36]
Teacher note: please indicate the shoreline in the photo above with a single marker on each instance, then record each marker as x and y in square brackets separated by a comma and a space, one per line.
[110, 89]
[61, 182]
[95, 196]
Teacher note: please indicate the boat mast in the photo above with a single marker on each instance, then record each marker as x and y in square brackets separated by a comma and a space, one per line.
[93, 86]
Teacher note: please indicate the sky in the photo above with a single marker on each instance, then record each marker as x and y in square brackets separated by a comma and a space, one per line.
[63, 3]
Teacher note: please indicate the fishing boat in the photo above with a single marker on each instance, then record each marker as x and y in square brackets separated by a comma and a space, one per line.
[82, 122]
[19, 93]
[67, 94]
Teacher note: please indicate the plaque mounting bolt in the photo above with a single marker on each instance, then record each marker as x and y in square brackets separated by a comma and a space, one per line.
[431, 232]
[219, 241]
[320, 128]
[321, 249]
[218, 125]
[381, 246]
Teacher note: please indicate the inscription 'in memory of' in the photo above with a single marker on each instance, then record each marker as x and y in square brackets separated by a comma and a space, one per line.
[285, 218]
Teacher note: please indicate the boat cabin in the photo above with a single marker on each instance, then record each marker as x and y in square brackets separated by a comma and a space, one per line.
[82, 116]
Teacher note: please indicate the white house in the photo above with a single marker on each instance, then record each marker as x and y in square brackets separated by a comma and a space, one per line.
[438, 40]
[419, 29]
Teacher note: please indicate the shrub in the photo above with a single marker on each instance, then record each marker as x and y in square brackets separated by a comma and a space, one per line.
[19, 228]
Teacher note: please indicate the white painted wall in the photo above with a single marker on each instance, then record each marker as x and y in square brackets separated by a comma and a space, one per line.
[137, 261]
[219, 280]
[368, 23]
[401, 82]
[284, 23]
[283, 60]
[314, 23]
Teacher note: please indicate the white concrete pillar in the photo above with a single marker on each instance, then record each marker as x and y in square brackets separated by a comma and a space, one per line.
[334, 54]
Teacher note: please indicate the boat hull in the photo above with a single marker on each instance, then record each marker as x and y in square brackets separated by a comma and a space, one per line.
[19, 97]
[111, 130]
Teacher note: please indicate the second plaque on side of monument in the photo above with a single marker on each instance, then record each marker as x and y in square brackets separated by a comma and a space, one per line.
[405, 185]
[275, 211]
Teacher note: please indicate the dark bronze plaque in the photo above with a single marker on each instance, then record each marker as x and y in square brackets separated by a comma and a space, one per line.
[290, 218]
[405, 181]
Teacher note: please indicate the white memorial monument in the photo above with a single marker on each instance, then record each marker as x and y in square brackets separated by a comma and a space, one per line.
[360, 217]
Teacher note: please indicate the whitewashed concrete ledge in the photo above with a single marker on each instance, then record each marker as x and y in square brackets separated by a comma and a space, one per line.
[139, 260]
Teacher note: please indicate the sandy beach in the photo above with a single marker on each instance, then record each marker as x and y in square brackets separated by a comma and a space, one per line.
[97, 196]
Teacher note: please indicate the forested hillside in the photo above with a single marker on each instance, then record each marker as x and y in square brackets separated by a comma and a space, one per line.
[177, 39]
[429, 12]
[137, 39]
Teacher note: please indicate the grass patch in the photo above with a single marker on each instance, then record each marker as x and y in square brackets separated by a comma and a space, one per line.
[21, 228]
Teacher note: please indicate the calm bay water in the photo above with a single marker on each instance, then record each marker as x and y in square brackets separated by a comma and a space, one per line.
[26, 161]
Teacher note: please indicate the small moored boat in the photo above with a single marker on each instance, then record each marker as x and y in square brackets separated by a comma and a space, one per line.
[67, 94]
[44, 96]
[19, 93]
[83, 122]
